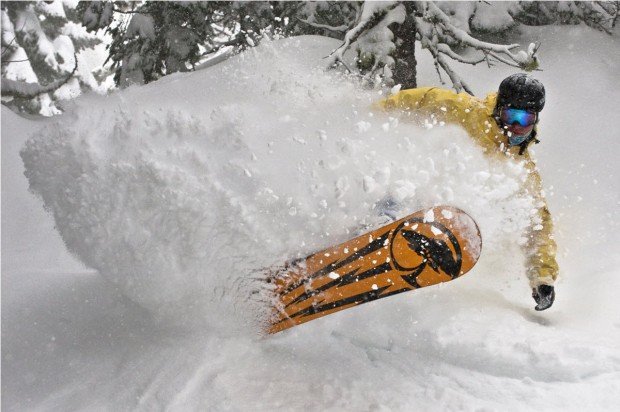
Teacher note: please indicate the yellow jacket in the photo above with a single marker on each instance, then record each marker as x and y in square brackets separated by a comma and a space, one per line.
[476, 117]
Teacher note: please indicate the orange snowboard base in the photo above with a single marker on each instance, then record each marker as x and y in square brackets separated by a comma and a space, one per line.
[425, 248]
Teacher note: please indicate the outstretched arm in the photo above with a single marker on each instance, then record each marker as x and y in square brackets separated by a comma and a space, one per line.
[542, 268]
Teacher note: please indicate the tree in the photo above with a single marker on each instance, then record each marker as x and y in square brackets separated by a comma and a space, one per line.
[601, 15]
[153, 39]
[384, 35]
[39, 48]
[158, 38]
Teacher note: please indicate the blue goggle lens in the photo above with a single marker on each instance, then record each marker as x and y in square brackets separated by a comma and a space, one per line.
[522, 117]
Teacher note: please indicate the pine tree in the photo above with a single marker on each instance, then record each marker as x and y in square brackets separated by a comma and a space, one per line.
[39, 48]
[158, 38]
[153, 39]
[601, 15]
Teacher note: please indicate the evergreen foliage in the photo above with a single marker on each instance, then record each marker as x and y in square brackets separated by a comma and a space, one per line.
[40, 42]
[150, 39]
[158, 38]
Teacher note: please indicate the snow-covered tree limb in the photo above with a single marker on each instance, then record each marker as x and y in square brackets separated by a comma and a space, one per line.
[458, 83]
[39, 40]
[25, 90]
[383, 34]
[381, 31]
[521, 59]
[371, 15]
[447, 50]
[601, 15]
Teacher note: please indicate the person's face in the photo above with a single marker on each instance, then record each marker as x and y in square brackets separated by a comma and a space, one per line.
[518, 122]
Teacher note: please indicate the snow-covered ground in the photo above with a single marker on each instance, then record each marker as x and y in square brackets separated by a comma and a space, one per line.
[178, 191]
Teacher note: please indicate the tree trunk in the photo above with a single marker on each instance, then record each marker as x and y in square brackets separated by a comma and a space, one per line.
[404, 56]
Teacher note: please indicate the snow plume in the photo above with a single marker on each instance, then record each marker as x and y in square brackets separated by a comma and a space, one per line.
[181, 201]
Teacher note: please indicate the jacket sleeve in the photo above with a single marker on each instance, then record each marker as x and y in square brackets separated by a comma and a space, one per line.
[542, 267]
[410, 99]
[436, 104]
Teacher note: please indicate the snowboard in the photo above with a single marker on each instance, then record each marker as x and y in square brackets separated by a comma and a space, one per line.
[425, 248]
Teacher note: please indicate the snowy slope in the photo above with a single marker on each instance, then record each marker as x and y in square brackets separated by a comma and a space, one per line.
[176, 191]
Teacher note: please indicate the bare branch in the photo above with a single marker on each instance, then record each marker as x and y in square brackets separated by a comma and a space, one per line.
[340, 29]
[436, 64]
[14, 61]
[8, 46]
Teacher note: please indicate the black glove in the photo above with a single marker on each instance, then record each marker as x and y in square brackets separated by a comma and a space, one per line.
[544, 296]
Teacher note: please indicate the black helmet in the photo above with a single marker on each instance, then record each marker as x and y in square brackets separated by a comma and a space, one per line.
[521, 92]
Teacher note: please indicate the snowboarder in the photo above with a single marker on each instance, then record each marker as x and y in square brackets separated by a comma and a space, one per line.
[504, 124]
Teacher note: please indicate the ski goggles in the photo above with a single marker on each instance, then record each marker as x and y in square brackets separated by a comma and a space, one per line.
[524, 118]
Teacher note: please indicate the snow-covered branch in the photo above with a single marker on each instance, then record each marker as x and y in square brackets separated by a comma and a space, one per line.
[383, 29]
[522, 59]
[600, 14]
[458, 83]
[445, 49]
[25, 90]
[371, 15]
[502, 59]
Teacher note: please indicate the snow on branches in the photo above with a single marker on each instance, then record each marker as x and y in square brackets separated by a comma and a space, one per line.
[372, 33]
[27, 90]
[601, 15]
[40, 44]
[152, 39]
[437, 32]
[372, 36]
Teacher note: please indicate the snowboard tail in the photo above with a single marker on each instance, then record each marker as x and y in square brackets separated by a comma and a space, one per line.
[425, 248]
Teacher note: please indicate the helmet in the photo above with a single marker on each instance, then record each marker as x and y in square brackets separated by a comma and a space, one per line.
[521, 92]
